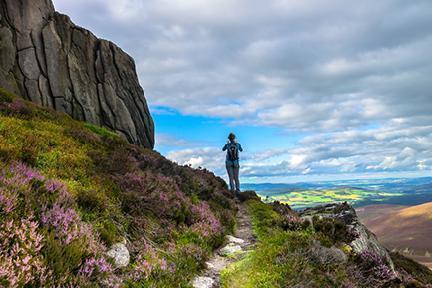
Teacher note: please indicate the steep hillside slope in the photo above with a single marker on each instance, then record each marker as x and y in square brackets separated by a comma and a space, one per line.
[49, 60]
[69, 190]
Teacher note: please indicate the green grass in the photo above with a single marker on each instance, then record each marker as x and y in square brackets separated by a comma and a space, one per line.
[101, 131]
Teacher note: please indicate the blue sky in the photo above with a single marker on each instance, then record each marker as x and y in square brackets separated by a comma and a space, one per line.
[315, 90]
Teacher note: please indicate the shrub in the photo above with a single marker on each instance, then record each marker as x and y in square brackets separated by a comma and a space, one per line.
[92, 201]
[16, 107]
[20, 261]
[335, 229]
[6, 96]
[373, 268]
[63, 259]
[108, 232]
[63, 220]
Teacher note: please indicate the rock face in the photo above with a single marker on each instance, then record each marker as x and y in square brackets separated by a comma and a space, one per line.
[52, 62]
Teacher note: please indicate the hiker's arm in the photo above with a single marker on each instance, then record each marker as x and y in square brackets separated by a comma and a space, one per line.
[225, 147]
[240, 148]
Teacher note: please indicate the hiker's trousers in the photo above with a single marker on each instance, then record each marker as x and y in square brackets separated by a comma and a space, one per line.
[233, 174]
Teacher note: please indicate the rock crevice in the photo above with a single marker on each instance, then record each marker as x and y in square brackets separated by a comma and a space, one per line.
[49, 60]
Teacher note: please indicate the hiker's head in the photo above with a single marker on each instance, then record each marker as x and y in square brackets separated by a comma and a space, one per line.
[231, 136]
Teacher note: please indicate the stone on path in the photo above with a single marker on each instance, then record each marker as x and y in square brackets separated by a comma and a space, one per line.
[216, 264]
[233, 239]
[230, 248]
[203, 282]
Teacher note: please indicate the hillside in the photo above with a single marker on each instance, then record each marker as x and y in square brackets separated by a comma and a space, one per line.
[406, 229]
[70, 190]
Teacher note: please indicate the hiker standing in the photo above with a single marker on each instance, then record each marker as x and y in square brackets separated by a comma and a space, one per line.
[232, 162]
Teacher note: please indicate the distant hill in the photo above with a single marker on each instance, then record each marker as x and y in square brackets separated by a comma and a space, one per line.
[406, 229]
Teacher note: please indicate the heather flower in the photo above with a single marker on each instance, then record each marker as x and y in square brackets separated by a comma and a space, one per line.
[373, 263]
[53, 185]
[25, 173]
[63, 220]
[156, 193]
[20, 260]
[94, 266]
[148, 262]
[205, 222]
[94, 245]
[8, 201]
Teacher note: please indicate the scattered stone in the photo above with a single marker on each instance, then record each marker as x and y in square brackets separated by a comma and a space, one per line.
[203, 282]
[229, 249]
[233, 239]
[217, 263]
[120, 254]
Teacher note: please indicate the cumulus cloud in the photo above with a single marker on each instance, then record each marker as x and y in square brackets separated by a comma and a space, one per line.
[328, 62]
[354, 75]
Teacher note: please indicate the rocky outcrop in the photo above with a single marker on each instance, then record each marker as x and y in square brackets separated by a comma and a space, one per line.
[360, 238]
[52, 62]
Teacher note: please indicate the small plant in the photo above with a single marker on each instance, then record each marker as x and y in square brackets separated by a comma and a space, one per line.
[6, 96]
[100, 130]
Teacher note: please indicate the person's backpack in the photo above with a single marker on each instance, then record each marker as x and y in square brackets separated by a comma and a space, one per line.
[233, 154]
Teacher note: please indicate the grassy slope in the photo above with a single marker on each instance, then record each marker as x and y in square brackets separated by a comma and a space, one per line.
[286, 256]
[171, 216]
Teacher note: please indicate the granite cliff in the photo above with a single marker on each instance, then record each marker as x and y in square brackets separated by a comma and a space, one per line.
[52, 62]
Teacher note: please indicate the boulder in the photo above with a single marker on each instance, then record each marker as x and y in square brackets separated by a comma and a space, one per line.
[120, 254]
[49, 60]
